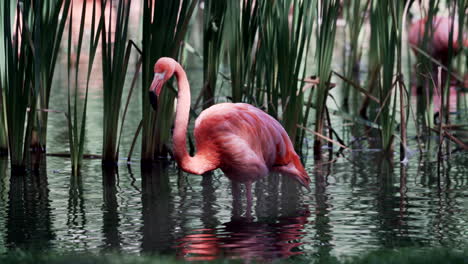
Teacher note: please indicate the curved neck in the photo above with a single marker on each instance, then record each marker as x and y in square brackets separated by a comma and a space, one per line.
[182, 115]
[206, 158]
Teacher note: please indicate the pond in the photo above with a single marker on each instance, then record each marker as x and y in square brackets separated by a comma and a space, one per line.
[360, 203]
[355, 205]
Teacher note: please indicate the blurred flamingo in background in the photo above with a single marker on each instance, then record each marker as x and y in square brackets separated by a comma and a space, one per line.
[240, 139]
[437, 46]
[438, 43]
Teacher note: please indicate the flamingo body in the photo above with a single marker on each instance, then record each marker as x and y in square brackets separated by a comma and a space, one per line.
[240, 139]
[247, 142]
[438, 43]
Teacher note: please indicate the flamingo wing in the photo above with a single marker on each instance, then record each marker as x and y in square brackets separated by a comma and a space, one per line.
[248, 142]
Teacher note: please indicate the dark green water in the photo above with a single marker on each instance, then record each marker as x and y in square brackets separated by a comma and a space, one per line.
[356, 205]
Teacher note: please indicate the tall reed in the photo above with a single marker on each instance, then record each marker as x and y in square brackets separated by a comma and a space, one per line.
[242, 21]
[18, 78]
[326, 31]
[284, 36]
[445, 101]
[116, 52]
[213, 42]
[355, 17]
[386, 18]
[461, 6]
[76, 120]
[426, 69]
[164, 26]
[49, 26]
[3, 128]
[32, 36]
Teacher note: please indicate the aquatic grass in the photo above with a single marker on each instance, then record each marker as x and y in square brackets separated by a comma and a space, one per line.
[116, 51]
[49, 26]
[3, 128]
[285, 30]
[426, 69]
[355, 18]
[76, 120]
[386, 28]
[242, 22]
[213, 41]
[461, 7]
[445, 77]
[165, 25]
[32, 34]
[18, 79]
[326, 31]
[445, 92]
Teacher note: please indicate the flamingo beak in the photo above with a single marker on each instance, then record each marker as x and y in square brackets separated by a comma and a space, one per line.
[155, 89]
[304, 180]
[299, 175]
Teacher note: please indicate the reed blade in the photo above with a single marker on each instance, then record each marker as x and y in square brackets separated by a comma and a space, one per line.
[77, 109]
[326, 31]
[213, 43]
[116, 51]
[164, 28]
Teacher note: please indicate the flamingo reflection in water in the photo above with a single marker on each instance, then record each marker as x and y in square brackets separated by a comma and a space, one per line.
[245, 239]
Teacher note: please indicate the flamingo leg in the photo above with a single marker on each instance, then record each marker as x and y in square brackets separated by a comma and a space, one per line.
[248, 188]
[236, 200]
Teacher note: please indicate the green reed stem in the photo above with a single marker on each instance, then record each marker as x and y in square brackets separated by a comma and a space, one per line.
[50, 25]
[326, 31]
[18, 76]
[116, 52]
[285, 29]
[3, 61]
[461, 8]
[164, 27]
[76, 119]
[213, 42]
[355, 17]
[427, 68]
[242, 27]
[387, 16]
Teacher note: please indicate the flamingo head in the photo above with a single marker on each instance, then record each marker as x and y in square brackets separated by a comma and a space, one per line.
[163, 70]
[296, 171]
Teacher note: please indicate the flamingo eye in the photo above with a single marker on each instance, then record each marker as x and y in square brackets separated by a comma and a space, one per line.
[159, 75]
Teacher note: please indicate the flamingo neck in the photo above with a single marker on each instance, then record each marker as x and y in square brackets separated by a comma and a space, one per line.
[203, 161]
[182, 116]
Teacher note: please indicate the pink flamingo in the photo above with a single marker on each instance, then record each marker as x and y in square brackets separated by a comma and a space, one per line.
[438, 43]
[437, 47]
[240, 139]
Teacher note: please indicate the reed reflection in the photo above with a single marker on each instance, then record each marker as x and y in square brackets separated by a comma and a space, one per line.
[391, 213]
[110, 214]
[209, 209]
[267, 191]
[446, 226]
[4, 187]
[76, 209]
[28, 222]
[158, 224]
[323, 227]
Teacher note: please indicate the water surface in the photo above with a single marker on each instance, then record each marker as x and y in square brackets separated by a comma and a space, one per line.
[361, 202]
